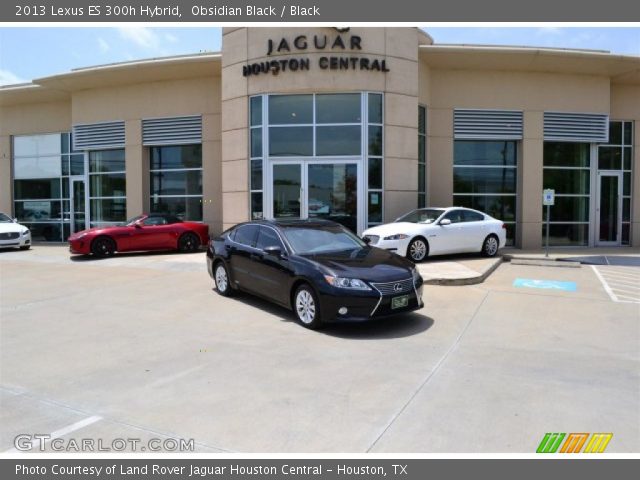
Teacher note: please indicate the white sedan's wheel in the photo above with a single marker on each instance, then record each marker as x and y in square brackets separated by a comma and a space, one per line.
[417, 250]
[490, 246]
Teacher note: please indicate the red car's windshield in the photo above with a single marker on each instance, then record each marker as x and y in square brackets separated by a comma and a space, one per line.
[130, 222]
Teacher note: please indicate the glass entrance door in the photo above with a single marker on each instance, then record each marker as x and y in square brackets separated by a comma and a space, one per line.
[78, 204]
[316, 189]
[609, 206]
[333, 193]
[287, 190]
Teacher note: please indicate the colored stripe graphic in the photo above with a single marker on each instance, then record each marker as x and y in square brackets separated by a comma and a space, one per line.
[550, 442]
[598, 442]
[574, 443]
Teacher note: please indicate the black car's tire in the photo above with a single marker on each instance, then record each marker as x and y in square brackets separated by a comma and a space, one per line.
[418, 249]
[103, 247]
[221, 280]
[306, 307]
[188, 242]
[490, 246]
[25, 247]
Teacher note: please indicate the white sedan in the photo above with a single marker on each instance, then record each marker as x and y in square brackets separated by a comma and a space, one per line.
[438, 231]
[12, 234]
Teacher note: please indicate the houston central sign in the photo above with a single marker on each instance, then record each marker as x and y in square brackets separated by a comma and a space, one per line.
[349, 45]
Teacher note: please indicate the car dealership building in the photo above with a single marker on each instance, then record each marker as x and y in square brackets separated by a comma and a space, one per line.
[355, 125]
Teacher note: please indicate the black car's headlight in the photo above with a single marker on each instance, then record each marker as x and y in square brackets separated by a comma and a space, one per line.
[350, 283]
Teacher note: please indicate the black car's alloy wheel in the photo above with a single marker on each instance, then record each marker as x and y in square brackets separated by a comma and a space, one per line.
[188, 242]
[418, 250]
[306, 307]
[103, 247]
[490, 246]
[221, 277]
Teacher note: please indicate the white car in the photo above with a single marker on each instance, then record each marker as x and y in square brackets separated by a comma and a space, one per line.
[12, 234]
[438, 231]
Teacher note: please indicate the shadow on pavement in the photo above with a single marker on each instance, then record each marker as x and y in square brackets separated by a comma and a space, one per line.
[615, 260]
[402, 325]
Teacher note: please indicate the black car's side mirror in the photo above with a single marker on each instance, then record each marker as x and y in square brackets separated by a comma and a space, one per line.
[366, 240]
[274, 250]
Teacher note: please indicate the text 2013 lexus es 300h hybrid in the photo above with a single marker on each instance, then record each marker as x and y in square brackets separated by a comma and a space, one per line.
[317, 268]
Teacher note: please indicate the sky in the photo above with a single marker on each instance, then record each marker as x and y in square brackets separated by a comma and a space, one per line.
[28, 53]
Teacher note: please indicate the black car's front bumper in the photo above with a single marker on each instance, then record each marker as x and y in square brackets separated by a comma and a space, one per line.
[362, 306]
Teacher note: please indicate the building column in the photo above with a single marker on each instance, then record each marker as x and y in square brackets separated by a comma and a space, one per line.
[137, 170]
[235, 129]
[211, 173]
[440, 157]
[530, 169]
[6, 187]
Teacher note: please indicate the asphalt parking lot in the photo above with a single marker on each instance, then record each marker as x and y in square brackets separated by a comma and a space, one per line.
[140, 346]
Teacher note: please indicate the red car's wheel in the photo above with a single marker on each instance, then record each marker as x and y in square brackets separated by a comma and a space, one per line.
[188, 242]
[103, 247]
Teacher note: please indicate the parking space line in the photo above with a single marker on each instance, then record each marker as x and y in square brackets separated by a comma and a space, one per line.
[37, 443]
[622, 286]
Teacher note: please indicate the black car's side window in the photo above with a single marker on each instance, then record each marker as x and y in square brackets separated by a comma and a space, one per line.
[470, 216]
[455, 216]
[268, 238]
[246, 235]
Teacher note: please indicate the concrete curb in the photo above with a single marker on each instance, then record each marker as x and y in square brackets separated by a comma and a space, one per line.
[541, 262]
[468, 280]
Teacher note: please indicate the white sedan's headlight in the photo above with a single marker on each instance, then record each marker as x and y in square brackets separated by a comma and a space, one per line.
[25, 232]
[342, 282]
[397, 236]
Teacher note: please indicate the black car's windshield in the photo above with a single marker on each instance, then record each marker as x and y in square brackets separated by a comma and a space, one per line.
[422, 215]
[130, 222]
[315, 240]
[4, 218]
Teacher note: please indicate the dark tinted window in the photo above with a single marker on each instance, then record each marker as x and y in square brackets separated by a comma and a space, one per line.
[470, 216]
[268, 238]
[171, 219]
[246, 235]
[456, 216]
[155, 220]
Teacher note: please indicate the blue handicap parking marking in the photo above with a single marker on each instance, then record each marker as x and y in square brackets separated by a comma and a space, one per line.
[545, 284]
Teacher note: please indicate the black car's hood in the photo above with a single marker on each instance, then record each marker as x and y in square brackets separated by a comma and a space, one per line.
[368, 263]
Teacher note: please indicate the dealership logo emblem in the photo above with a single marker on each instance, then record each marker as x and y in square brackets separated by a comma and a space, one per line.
[397, 287]
[574, 442]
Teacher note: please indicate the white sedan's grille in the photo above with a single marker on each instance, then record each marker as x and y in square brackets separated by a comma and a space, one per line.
[394, 288]
[9, 235]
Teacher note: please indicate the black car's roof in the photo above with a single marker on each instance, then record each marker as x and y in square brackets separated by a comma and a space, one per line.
[308, 223]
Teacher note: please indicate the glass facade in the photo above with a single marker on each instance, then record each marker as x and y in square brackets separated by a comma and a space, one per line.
[617, 155]
[107, 187]
[176, 181]
[41, 168]
[422, 156]
[485, 178]
[317, 127]
[567, 170]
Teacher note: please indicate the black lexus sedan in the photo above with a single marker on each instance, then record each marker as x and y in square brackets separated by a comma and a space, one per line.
[317, 268]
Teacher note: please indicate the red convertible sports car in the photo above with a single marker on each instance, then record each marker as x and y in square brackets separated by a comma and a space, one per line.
[145, 232]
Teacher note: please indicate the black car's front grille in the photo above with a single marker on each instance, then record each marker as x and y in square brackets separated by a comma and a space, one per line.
[373, 239]
[9, 235]
[394, 288]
